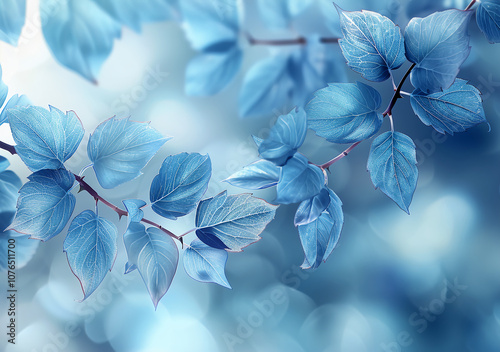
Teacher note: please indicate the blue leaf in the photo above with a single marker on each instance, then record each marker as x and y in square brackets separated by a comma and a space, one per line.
[372, 44]
[299, 181]
[488, 20]
[119, 149]
[155, 255]
[25, 248]
[206, 264]
[45, 138]
[91, 249]
[258, 141]
[80, 34]
[320, 237]
[311, 208]
[210, 72]
[4, 90]
[393, 167]
[279, 13]
[286, 136]
[209, 23]
[45, 204]
[345, 112]
[208, 236]
[453, 110]
[267, 86]
[438, 44]
[133, 206]
[13, 102]
[182, 181]
[12, 18]
[9, 186]
[236, 221]
[133, 14]
[259, 175]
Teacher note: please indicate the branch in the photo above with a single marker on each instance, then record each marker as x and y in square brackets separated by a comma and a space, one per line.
[397, 94]
[470, 5]
[282, 42]
[340, 156]
[86, 187]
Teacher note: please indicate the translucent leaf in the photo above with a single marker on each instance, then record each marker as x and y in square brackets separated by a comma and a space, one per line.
[182, 181]
[279, 13]
[453, 110]
[12, 18]
[259, 175]
[80, 34]
[119, 149]
[25, 249]
[13, 102]
[155, 255]
[91, 249]
[488, 20]
[345, 112]
[372, 44]
[9, 186]
[4, 90]
[267, 86]
[45, 204]
[45, 138]
[299, 181]
[320, 237]
[206, 264]
[311, 208]
[236, 221]
[393, 167]
[286, 136]
[438, 44]
[208, 23]
[133, 206]
[210, 72]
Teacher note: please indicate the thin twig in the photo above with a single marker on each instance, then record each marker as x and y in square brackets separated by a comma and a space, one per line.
[340, 156]
[10, 148]
[282, 42]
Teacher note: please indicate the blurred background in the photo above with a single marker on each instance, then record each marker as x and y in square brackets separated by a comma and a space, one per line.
[425, 282]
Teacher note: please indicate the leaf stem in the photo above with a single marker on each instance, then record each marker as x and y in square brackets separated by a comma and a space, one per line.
[340, 156]
[188, 232]
[470, 5]
[10, 148]
[397, 94]
[283, 42]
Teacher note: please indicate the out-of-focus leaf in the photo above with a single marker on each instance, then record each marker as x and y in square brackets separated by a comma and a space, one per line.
[235, 221]
[259, 175]
[120, 148]
[279, 13]
[299, 181]
[345, 112]
[4, 90]
[311, 208]
[372, 44]
[182, 181]
[45, 138]
[9, 185]
[393, 167]
[488, 20]
[438, 44]
[206, 264]
[12, 18]
[453, 110]
[91, 249]
[25, 249]
[45, 204]
[286, 136]
[155, 255]
[320, 237]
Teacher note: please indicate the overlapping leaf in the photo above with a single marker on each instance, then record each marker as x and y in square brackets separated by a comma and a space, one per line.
[182, 181]
[286, 136]
[91, 249]
[453, 110]
[488, 20]
[119, 149]
[206, 264]
[393, 167]
[372, 44]
[320, 237]
[13, 102]
[155, 255]
[45, 204]
[310, 209]
[299, 181]
[259, 175]
[45, 138]
[133, 206]
[438, 44]
[232, 222]
[12, 18]
[345, 112]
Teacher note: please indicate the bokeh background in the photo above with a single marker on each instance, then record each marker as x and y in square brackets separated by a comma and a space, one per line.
[425, 282]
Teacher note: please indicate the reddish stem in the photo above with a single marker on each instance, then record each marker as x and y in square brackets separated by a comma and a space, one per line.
[281, 42]
[340, 156]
